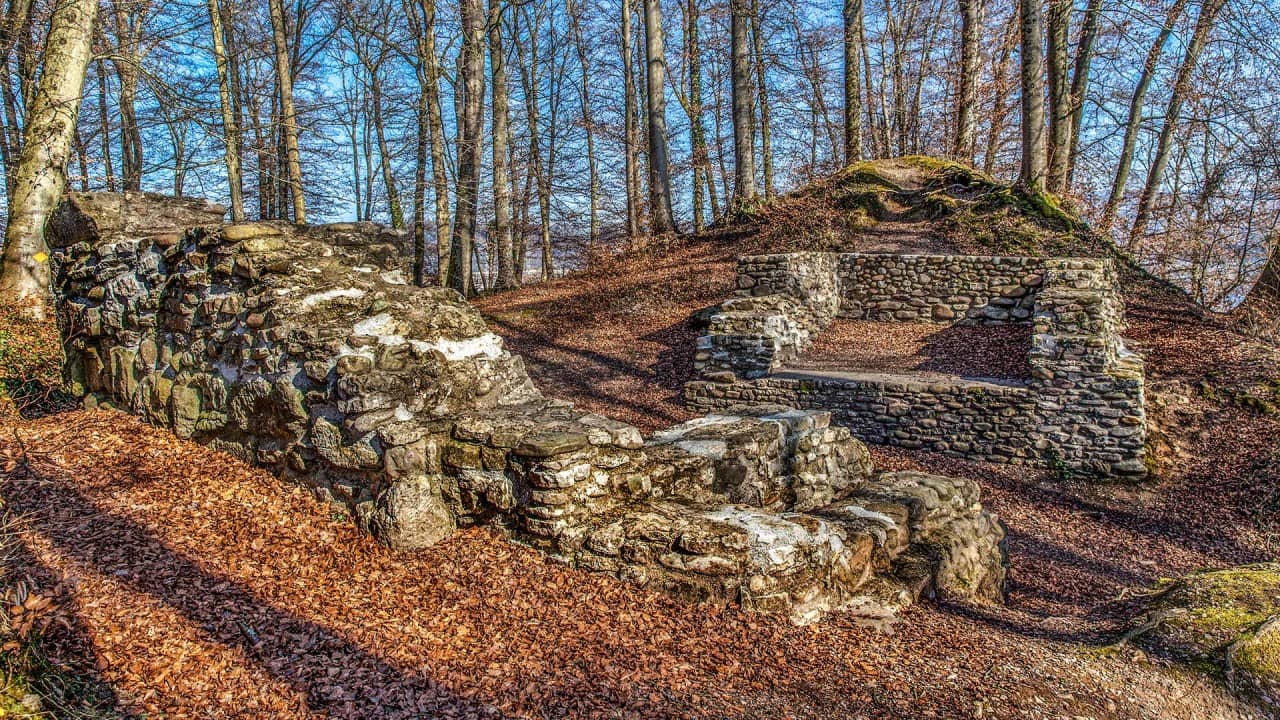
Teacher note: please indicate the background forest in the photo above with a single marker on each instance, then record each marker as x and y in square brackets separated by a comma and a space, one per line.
[540, 113]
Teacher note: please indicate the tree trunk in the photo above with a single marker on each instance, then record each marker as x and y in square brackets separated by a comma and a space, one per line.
[104, 120]
[853, 81]
[663, 221]
[1034, 161]
[394, 207]
[588, 125]
[502, 238]
[697, 131]
[284, 79]
[1134, 119]
[1080, 82]
[967, 95]
[744, 154]
[631, 132]
[470, 127]
[1060, 106]
[40, 174]
[1181, 86]
[129, 19]
[230, 128]
[762, 96]
[1000, 105]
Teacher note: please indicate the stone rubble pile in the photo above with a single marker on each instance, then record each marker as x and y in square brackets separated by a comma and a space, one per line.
[304, 350]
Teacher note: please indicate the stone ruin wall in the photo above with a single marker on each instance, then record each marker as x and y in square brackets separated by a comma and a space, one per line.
[1082, 410]
[304, 350]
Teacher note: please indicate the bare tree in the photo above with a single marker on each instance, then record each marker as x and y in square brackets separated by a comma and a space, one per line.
[762, 99]
[40, 173]
[470, 127]
[1134, 119]
[1034, 161]
[967, 94]
[284, 79]
[588, 125]
[853, 80]
[663, 219]
[501, 144]
[744, 155]
[230, 125]
[1061, 107]
[1173, 111]
[631, 131]
[1080, 82]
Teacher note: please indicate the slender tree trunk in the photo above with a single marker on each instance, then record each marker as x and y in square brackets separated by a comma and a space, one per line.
[631, 131]
[394, 207]
[853, 81]
[1134, 119]
[501, 143]
[82, 158]
[421, 139]
[40, 174]
[284, 78]
[1000, 105]
[1034, 161]
[588, 125]
[663, 220]
[1181, 86]
[744, 154]
[439, 167]
[967, 95]
[697, 132]
[230, 128]
[470, 127]
[104, 120]
[1080, 82]
[1060, 105]
[529, 74]
[762, 96]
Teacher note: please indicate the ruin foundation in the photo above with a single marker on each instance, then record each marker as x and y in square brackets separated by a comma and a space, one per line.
[305, 351]
[1081, 411]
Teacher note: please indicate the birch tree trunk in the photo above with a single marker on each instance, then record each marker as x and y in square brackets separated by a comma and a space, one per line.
[853, 81]
[1181, 86]
[744, 154]
[40, 173]
[1134, 119]
[1034, 161]
[284, 79]
[663, 220]
[230, 128]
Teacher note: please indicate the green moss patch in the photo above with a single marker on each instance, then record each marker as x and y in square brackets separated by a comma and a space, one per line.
[1205, 612]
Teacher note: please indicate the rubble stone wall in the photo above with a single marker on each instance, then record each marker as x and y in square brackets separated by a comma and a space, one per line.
[304, 350]
[1082, 410]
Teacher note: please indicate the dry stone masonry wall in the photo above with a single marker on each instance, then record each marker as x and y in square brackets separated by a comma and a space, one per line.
[1082, 411]
[304, 350]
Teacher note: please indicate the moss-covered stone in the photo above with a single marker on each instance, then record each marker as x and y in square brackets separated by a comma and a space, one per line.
[1225, 620]
[1203, 613]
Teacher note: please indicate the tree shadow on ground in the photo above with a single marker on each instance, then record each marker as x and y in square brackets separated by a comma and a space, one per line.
[296, 651]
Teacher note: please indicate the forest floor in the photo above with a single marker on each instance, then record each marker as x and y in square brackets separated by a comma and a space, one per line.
[175, 583]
